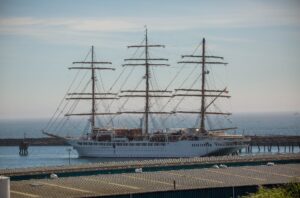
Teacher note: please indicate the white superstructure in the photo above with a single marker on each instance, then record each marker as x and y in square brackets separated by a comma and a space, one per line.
[144, 149]
[194, 146]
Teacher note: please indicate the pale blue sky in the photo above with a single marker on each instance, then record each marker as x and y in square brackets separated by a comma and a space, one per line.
[40, 39]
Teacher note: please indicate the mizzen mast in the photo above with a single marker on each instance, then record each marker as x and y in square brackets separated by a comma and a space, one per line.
[204, 92]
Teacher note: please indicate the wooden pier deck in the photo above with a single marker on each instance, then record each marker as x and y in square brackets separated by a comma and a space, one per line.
[266, 143]
[274, 140]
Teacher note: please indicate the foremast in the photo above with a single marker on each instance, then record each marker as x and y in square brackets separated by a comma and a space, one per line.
[92, 96]
[93, 92]
[147, 83]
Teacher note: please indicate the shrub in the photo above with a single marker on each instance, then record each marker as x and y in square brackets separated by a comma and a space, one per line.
[290, 190]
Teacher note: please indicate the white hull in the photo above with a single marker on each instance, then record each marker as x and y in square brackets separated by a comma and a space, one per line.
[146, 149]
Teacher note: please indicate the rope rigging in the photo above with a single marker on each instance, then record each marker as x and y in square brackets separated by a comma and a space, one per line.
[156, 104]
[54, 118]
[71, 109]
[176, 75]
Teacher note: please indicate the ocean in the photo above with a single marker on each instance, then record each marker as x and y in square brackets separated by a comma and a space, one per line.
[58, 156]
[250, 124]
[45, 156]
[247, 123]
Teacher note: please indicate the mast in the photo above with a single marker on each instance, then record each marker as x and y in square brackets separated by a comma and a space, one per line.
[147, 63]
[91, 96]
[202, 123]
[93, 92]
[215, 94]
[147, 85]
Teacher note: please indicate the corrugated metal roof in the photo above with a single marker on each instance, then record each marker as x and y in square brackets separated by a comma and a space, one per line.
[127, 183]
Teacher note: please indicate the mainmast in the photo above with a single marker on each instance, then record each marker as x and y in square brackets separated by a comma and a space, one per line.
[204, 93]
[93, 92]
[93, 96]
[202, 123]
[147, 63]
[147, 84]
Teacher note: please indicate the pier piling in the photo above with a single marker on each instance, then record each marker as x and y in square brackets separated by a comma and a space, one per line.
[23, 148]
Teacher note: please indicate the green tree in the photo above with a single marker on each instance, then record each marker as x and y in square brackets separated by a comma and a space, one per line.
[290, 190]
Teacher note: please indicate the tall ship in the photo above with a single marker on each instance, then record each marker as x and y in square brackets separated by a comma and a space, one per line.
[142, 141]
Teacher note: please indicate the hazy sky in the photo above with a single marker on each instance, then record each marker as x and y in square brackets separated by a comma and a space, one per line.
[40, 39]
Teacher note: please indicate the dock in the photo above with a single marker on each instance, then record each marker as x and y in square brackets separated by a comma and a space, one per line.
[275, 140]
[33, 141]
[206, 182]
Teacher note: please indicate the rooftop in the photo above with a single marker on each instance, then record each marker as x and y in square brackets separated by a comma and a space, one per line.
[127, 183]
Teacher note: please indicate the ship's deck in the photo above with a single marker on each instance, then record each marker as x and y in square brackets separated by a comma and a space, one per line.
[130, 183]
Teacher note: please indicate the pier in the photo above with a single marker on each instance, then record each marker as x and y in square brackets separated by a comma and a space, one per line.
[266, 143]
[33, 141]
[23, 148]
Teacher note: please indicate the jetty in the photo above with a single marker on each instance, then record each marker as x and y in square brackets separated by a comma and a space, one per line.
[265, 143]
[33, 141]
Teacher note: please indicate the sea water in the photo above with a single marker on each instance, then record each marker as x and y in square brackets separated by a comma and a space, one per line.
[249, 124]
[59, 155]
[45, 156]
